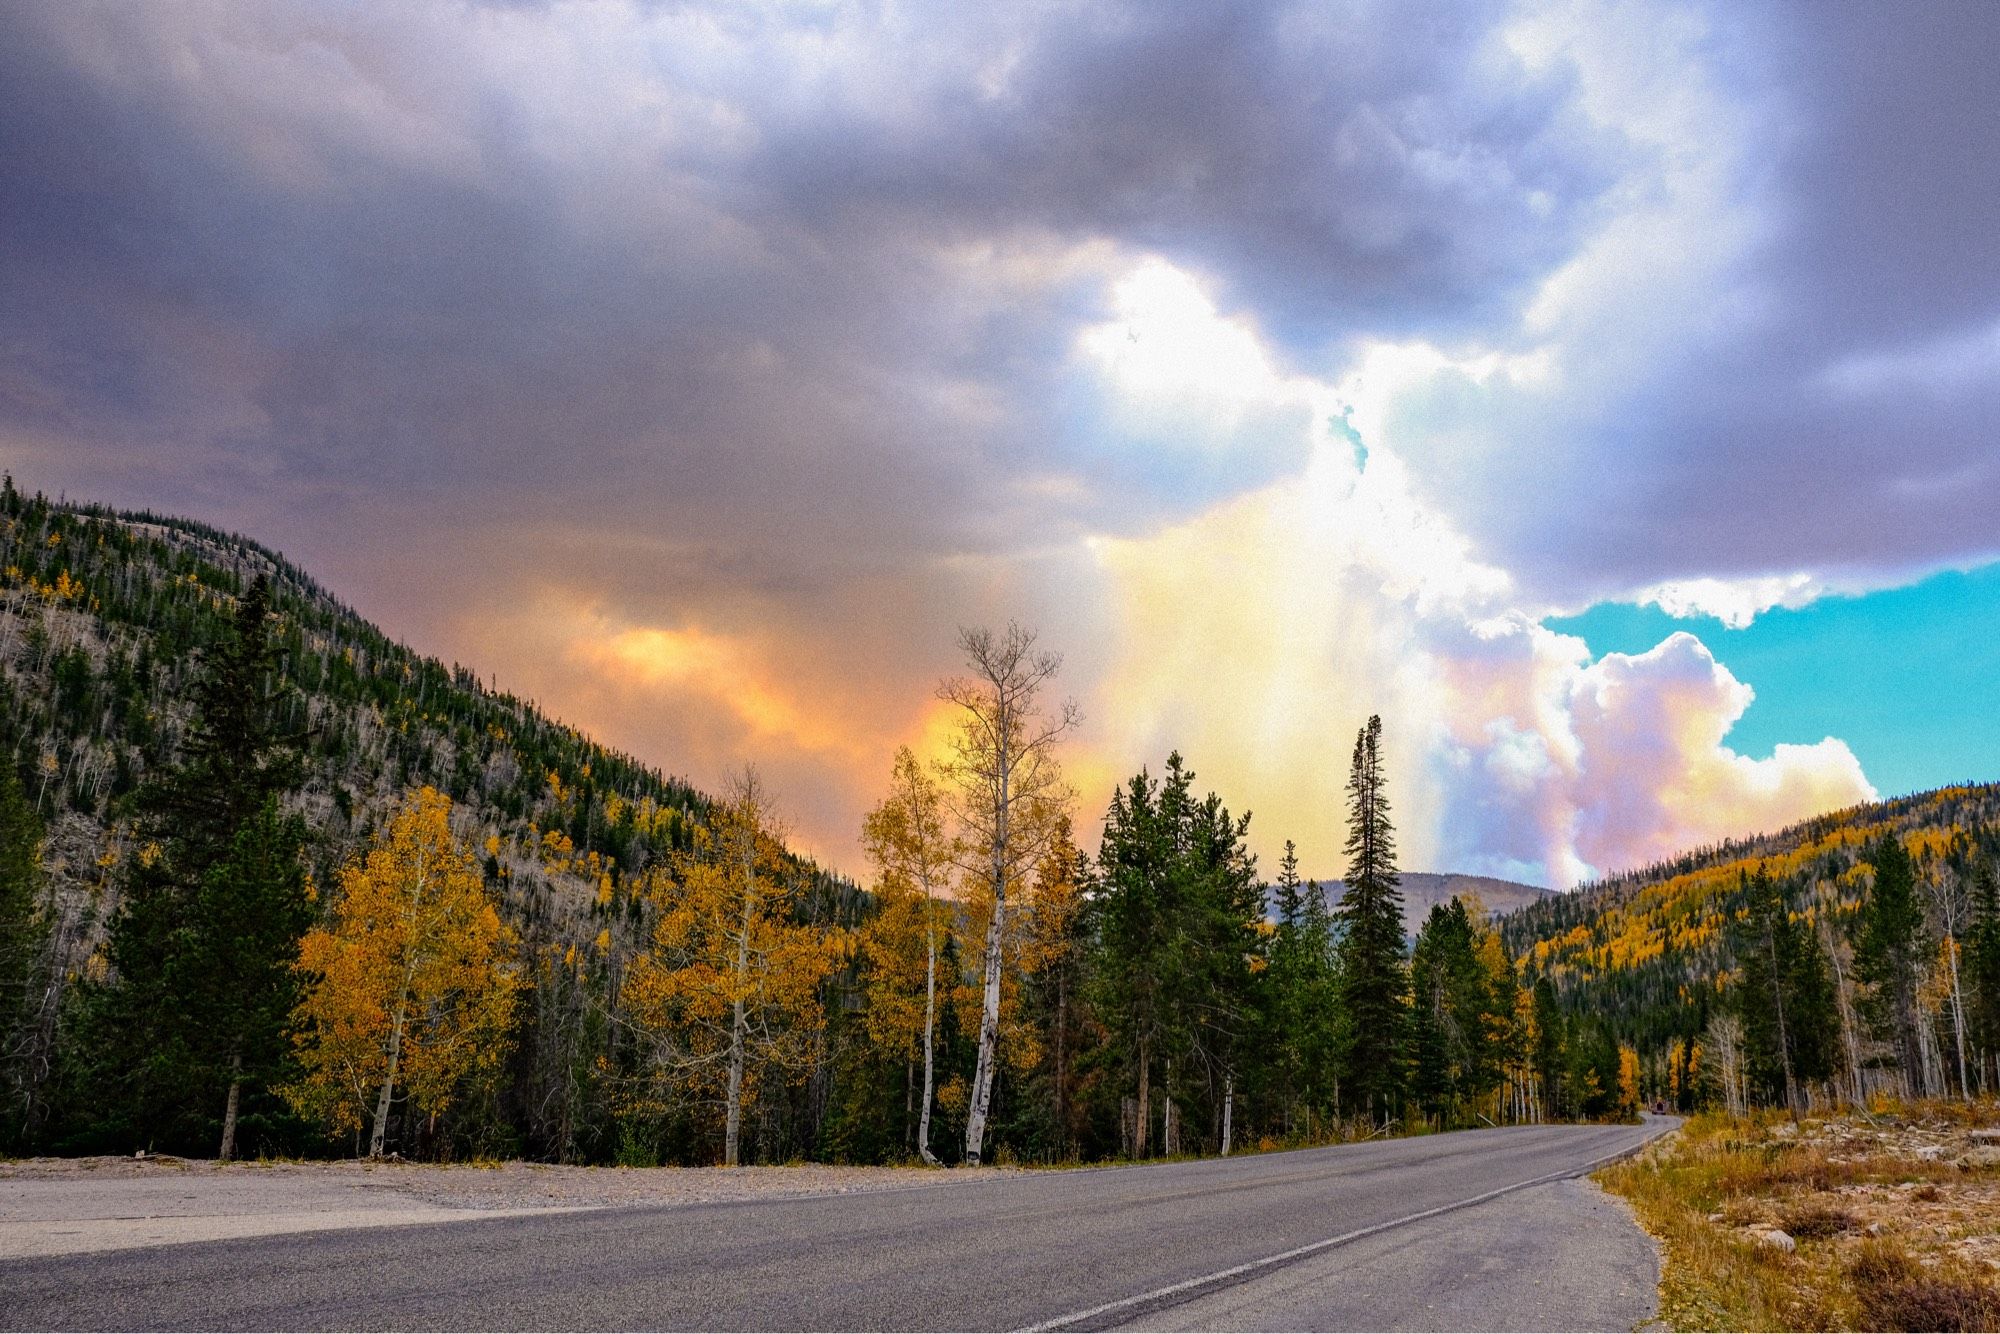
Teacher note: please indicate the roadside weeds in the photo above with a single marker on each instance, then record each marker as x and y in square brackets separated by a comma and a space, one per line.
[1890, 1221]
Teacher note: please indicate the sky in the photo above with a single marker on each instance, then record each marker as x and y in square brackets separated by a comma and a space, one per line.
[1605, 394]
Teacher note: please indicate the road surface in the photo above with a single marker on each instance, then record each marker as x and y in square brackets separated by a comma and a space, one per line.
[1486, 1229]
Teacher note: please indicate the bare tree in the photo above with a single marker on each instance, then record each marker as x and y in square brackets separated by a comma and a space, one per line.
[1009, 788]
[1950, 910]
[1725, 1040]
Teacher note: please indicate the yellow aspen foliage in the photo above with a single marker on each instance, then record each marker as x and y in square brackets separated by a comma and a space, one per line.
[412, 984]
[1628, 1081]
[727, 993]
[1034, 934]
[908, 839]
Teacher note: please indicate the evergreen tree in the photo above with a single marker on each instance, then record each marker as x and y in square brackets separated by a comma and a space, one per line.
[1374, 979]
[1982, 963]
[1548, 1055]
[1303, 1010]
[1133, 912]
[212, 909]
[1889, 954]
[1454, 1019]
[1784, 994]
[1177, 907]
[25, 1030]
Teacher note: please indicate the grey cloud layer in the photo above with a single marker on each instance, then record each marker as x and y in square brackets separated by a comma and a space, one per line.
[722, 269]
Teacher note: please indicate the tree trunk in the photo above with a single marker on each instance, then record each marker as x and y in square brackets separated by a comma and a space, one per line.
[1145, 1113]
[1958, 1017]
[1848, 1037]
[228, 1150]
[989, 1015]
[379, 1135]
[930, 1024]
[1228, 1110]
[739, 1029]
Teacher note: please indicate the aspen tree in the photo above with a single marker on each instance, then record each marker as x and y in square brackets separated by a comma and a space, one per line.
[729, 990]
[412, 985]
[1004, 768]
[908, 840]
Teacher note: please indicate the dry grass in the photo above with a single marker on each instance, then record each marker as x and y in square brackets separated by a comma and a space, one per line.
[1895, 1219]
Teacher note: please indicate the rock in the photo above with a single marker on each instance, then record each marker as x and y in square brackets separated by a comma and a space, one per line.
[1873, 1229]
[1776, 1239]
[1990, 1135]
[1980, 1155]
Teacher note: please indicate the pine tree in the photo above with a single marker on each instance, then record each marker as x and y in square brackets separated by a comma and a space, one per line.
[1982, 965]
[1889, 954]
[26, 1029]
[209, 920]
[1374, 979]
[1784, 995]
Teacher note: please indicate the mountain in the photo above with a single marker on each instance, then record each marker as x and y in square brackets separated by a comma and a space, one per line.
[1423, 890]
[104, 617]
[1649, 950]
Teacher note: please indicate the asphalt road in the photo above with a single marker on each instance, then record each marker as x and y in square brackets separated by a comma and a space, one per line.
[1485, 1229]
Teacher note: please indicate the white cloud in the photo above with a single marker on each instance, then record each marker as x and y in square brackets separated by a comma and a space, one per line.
[1734, 602]
[1257, 637]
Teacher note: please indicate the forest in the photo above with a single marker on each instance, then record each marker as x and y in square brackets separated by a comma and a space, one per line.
[272, 884]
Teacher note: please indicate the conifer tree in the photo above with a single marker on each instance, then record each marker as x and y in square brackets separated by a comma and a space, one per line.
[1889, 954]
[1374, 978]
[24, 1028]
[1303, 1008]
[1784, 994]
[1982, 966]
[211, 912]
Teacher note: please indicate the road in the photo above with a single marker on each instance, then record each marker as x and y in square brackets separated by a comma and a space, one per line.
[1486, 1229]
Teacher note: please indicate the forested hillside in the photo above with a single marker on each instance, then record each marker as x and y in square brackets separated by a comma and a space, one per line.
[107, 623]
[270, 882]
[1893, 981]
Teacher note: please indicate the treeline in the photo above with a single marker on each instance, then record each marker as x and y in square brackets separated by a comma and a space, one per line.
[998, 993]
[1853, 956]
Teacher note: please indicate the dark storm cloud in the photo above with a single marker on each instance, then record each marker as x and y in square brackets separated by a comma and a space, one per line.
[726, 277]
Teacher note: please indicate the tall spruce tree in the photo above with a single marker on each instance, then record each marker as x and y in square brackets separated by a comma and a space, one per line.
[1889, 955]
[211, 912]
[1453, 1017]
[1374, 978]
[1303, 1011]
[1784, 994]
[1176, 906]
[24, 1028]
[1982, 968]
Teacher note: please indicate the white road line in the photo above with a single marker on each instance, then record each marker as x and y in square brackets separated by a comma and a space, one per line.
[1223, 1277]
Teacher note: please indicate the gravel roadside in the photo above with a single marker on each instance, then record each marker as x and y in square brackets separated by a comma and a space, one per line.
[58, 1206]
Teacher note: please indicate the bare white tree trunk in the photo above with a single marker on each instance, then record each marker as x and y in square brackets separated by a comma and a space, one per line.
[989, 1039]
[739, 1024]
[930, 1028]
[1958, 1017]
[1004, 760]
[378, 1136]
